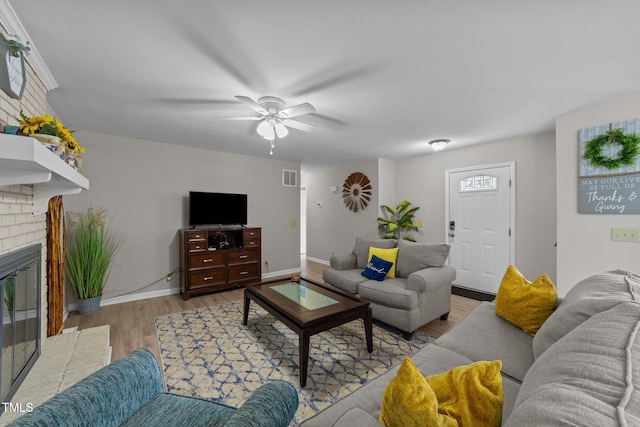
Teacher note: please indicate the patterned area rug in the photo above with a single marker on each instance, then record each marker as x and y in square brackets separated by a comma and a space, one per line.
[209, 354]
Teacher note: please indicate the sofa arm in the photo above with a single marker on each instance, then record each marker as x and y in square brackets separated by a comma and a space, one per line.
[431, 278]
[271, 405]
[107, 397]
[343, 262]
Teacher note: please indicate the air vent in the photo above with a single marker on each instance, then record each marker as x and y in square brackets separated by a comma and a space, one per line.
[289, 178]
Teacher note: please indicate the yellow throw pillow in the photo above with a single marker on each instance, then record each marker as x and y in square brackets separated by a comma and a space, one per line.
[525, 304]
[469, 395]
[409, 401]
[390, 255]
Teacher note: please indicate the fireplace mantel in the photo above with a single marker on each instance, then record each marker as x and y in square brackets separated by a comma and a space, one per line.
[25, 160]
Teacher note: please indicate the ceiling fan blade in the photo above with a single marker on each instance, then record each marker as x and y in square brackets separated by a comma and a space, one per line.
[240, 118]
[298, 125]
[253, 104]
[298, 110]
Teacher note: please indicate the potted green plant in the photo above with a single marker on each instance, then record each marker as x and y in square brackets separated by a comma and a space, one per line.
[90, 251]
[398, 219]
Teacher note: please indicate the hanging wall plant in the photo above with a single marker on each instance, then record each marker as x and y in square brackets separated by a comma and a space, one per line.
[630, 148]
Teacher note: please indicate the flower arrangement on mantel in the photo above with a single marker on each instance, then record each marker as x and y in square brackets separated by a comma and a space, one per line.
[48, 125]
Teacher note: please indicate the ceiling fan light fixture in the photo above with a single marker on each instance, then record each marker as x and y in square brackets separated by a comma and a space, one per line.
[438, 144]
[281, 129]
[265, 129]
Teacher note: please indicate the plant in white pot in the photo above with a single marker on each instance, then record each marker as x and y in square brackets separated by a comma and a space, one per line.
[90, 251]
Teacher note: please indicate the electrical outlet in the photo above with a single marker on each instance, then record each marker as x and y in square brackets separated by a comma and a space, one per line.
[419, 223]
[625, 234]
[294, 224]
[168, 276]
[266, 263]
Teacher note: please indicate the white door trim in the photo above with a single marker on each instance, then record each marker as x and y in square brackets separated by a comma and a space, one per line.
[512, 193]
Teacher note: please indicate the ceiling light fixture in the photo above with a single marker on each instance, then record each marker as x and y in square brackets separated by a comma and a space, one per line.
[271, 127]
[438, 144]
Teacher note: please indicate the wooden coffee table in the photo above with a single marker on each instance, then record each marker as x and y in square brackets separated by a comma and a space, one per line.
[307, 309]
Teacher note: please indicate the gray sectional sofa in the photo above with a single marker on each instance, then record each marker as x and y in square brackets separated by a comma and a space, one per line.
[582, 368]
[420, 292]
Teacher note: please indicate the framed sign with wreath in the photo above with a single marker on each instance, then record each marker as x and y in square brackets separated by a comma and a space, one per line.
[609, 168]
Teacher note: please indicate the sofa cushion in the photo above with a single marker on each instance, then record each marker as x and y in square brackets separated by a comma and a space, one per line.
[377, 269]
[592, 295]
[525, 304]
[432, 359]
[483, 335]
[356, 417]
[390, 293]
[389, 255]
[416, 256]
[592, 374]
[346, 280]
[361, 249]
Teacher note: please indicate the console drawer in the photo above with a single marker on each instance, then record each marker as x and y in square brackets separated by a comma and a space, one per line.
[197, 246]
[211, 277]
[243, 272]
[242, 257]
[251, 242]
[206, 260]
[193, 236]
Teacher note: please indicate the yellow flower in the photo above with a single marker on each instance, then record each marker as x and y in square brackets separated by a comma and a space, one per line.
[31, 125]
[48, 125]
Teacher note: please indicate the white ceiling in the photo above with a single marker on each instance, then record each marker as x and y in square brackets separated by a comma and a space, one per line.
[385, 76]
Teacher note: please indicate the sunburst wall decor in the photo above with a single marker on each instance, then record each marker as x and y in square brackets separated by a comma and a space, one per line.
[356, 191]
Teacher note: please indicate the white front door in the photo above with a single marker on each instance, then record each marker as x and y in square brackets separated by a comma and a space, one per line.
[480, 224]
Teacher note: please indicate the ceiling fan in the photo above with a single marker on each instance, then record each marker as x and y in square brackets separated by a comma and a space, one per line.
[274, 118]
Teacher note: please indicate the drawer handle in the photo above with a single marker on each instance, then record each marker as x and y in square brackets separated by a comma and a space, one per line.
[208, 278]
[244, 256]
[207, 260]
[242, 273]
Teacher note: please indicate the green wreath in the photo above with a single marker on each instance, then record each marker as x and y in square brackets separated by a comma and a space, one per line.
[630, 149]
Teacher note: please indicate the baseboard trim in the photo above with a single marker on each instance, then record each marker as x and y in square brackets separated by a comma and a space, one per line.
[290, 272]
[164, 292]
[318, 260]
[472, 293]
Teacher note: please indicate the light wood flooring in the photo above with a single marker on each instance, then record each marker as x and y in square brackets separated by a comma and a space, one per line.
[132, 323]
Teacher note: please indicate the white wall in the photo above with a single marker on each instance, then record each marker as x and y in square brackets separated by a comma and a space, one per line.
[584, 241]
[331, 227]
[421, 180]
[144, 185]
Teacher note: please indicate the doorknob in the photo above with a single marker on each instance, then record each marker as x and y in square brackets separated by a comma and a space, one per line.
[452, 228]
[451, 234]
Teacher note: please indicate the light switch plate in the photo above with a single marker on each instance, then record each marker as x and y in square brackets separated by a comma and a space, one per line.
[625, 234]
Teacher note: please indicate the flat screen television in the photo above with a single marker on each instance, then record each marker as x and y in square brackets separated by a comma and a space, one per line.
[217, 208]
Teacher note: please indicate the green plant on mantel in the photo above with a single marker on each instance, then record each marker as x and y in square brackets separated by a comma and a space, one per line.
[90, 252]
[16, 44]
[397, 220]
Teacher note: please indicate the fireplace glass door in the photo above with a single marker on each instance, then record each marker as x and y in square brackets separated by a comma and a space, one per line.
[20, 333]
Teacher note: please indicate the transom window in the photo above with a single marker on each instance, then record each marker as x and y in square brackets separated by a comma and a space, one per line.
[479, 183]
